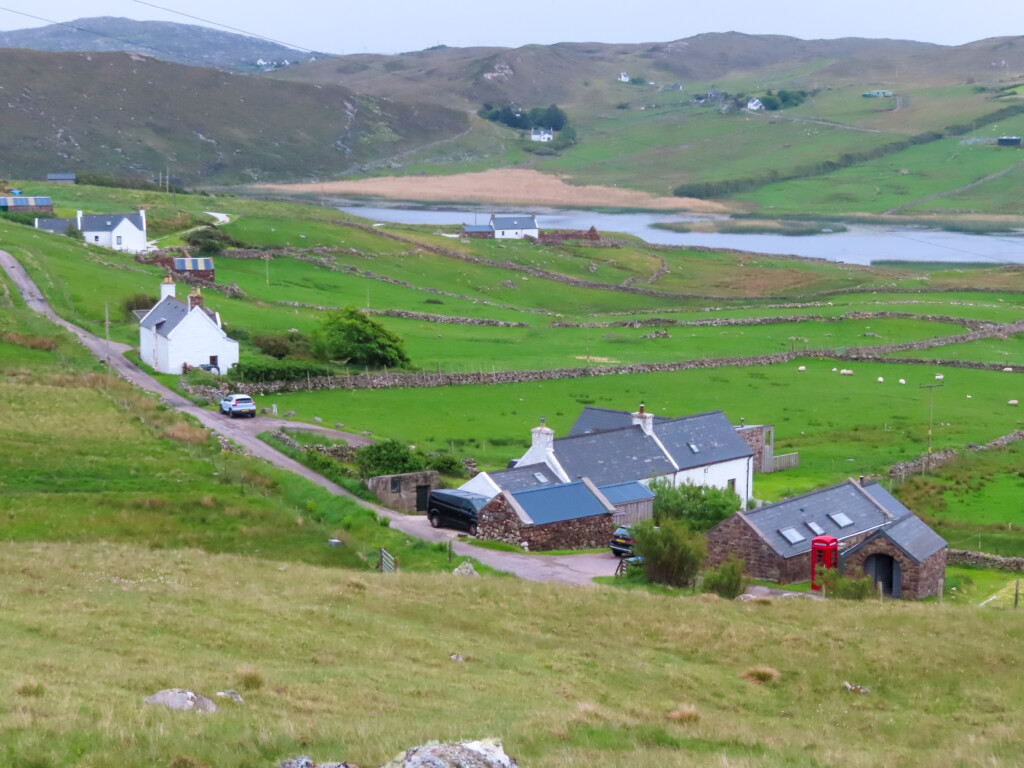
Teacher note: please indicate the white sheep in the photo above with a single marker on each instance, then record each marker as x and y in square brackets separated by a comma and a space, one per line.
[939, 377]
[834, 370]
[881, 380]
[903, 381]
[1011, 402]
[1008, 370]
[846, 372]
[802, 368]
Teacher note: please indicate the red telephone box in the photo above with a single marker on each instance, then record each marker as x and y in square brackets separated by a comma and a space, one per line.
[824, 555]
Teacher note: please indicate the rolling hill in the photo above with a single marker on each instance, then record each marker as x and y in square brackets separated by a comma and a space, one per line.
[130, 115]
[180, 43]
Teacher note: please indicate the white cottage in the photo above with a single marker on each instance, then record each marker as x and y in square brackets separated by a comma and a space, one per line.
[120, 231]
[175, 333]
[514, 226]
[542, 134]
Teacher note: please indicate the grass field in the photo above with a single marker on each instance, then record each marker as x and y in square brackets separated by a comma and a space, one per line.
[352, 666]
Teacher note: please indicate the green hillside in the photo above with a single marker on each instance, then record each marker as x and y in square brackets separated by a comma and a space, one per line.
[129, 115]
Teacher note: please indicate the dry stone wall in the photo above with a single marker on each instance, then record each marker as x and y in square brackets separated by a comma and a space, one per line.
[985, 560]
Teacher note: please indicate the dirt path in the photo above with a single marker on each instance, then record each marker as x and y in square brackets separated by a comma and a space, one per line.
[502, 186]
[566, 569]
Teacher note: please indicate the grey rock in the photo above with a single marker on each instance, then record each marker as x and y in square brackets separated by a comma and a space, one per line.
[457, 657]
[486, 753]
[465, 568]
[339, 425]
[181, 699]
[287, 414]
[302, 761]
[231, 693]
[317, 420]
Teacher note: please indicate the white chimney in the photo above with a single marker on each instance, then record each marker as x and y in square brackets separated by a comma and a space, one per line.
[142, 215]
[543, 436]
[645, 420]
[167, 288]
[78, 221]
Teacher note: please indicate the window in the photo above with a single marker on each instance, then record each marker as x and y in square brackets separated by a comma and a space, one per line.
[118, 239]
[694, 448]
[792, 535]
[95, 238]
[816, 529]
[540, 477]
[840, 519]
[396, 485]
[732, 484]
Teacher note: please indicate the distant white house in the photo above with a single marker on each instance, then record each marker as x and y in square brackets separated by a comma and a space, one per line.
[514, 226]
[623, 77]
[542, 134]
[175, 333]
[120, 231]
[755, 105]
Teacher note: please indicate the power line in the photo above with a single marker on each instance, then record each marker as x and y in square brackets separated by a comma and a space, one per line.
[226, 26]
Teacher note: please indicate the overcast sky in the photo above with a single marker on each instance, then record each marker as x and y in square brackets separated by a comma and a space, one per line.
[391, 26]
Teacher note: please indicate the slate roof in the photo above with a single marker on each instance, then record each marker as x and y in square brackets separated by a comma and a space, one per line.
[60, 177]
[513, 221]
[623, 493]
[477, 228]
[868, 507]
[569, 501]
[524, 478]
[166, 315]
[57, 226]
[611, 454]
[105, 222]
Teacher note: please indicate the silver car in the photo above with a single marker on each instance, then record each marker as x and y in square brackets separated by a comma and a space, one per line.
[238, 405]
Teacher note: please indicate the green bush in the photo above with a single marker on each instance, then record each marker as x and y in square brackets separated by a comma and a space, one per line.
[843, 588]
[388, 458]
[671, 554]
[277, 370]
[727, 580]
[352, 336]
[137, 301]
[701, 507]
[446, 464]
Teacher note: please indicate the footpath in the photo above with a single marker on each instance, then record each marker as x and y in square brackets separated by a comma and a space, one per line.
[566, 569]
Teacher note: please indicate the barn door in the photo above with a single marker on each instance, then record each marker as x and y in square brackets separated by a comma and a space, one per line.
[897, 587]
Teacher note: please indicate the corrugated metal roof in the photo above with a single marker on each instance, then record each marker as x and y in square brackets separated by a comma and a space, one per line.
[192, 263]
[477, 228]
[623, 493]
[866, 510]
[524, 478]
[569, 501]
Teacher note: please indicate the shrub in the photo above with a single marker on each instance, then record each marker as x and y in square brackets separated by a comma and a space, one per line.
[446, 464]
[846, 588]
[671, 554]
[274, 345]
[762, 675]
[355, 337]
[137, 301]
[727, 580]
[277, 370]
[211, 240]
[699, 506]
[387, 458]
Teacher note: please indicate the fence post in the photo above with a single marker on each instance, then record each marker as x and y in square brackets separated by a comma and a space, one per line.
[450, 551]
[1016, 595]
[881, 592]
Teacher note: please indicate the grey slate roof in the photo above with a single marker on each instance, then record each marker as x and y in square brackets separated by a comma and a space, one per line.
[623, 493]
[869, 507]
[524, 478]
[611, 454]
[612, 457]
[593, 419]
[60, 177]
[477, 228]
[569, 501]
[513, 221]
[166, 315]
[57, 226]
[105, 222]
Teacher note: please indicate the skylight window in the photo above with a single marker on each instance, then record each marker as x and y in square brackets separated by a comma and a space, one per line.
[693, 447]
[540, 477]
[840, 519]
[792, 535]
[816, 529]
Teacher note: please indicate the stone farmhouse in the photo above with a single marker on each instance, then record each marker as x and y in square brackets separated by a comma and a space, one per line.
[120, 231]
[877, 535]
[174, 333]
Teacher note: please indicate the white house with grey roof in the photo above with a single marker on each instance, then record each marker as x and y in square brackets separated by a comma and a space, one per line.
[877, 536]
[702, 449]
[120, 231]
[514, 226]
[175, 333]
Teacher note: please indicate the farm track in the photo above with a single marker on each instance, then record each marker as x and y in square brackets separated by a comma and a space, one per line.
[577, 570]
[948, 192]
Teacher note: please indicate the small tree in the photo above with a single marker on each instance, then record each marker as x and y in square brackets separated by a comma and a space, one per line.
[671, 554]
[727, 580]
[351, 335]
[387, 458]
[702, 507]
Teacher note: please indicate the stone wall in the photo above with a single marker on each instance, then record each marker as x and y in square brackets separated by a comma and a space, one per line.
[760, 439]
[404, 498]
[916, 580]
[985, 560]
[499, 521]
[905, 469]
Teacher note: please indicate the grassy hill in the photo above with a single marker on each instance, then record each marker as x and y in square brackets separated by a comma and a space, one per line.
[180, 43]
[130, 115]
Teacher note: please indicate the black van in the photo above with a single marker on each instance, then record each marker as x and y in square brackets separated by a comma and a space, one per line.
[455, 508]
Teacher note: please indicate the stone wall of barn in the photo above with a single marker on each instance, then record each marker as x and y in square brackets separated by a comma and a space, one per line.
[917, 581]
[498, 521]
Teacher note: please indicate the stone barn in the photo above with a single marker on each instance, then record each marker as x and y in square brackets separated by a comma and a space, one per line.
[877, 536]
[407, 492]
[567, 516]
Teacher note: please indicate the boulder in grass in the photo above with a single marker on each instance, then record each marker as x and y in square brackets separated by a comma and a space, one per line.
[486, 753]
[181, 699]
[465, 568]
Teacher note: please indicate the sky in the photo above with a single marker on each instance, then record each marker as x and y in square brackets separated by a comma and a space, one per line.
[393, 26]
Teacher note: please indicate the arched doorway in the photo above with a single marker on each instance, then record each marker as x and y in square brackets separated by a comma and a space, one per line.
[885, 571]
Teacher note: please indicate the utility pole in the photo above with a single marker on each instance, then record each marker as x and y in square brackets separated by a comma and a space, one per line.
[931, 401]
[106, 322]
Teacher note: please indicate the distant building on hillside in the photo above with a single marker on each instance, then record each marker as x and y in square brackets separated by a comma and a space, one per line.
[504, 226]
[542, 134]
[1008, 141]
[61, 178]
[879, 94]
[26, 204]
[120, 231]
[755, 105]
[175, 333]
[623, 77]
